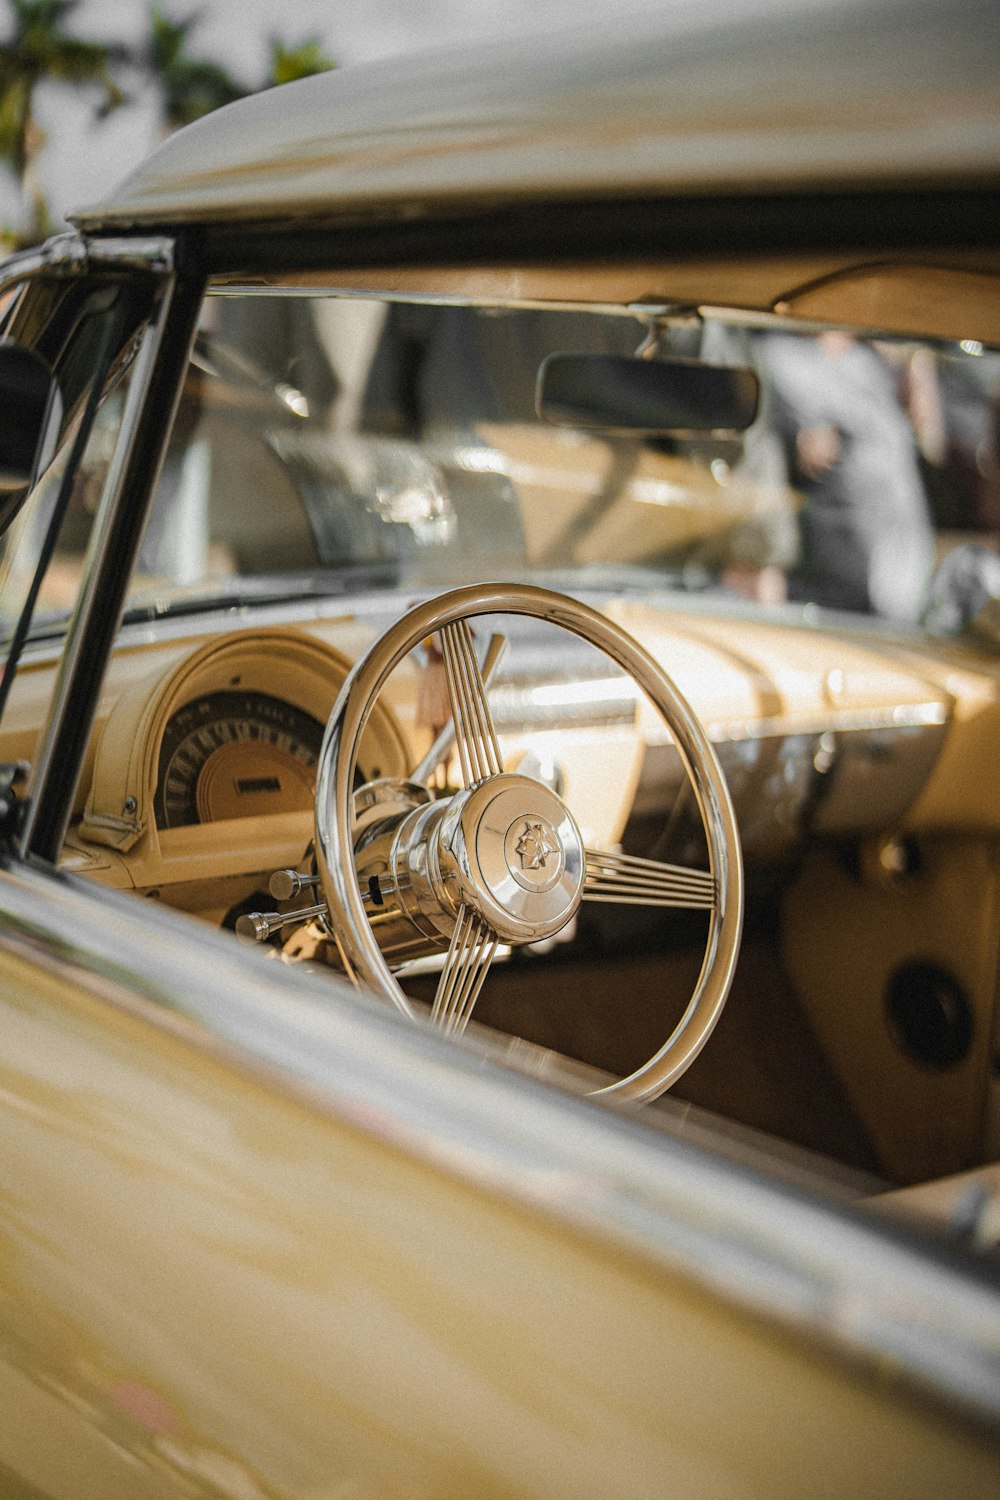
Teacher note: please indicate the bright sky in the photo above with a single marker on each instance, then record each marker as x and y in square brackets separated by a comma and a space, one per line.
[83, 160]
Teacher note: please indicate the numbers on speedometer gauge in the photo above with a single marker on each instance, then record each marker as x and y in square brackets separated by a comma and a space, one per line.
[236, 755]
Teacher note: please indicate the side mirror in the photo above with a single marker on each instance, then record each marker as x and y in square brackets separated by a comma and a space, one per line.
[30, 418]
[621, 394]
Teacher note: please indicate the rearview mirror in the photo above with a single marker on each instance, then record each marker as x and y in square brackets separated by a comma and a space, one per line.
[622, 394]
[30, 416]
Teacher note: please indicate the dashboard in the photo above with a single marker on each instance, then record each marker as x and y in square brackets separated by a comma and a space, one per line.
[200, 779]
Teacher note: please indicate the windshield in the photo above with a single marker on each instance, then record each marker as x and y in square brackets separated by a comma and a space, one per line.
[329, 443]
[87, 337]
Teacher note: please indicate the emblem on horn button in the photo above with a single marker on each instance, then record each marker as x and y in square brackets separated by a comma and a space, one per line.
[535, 845]
[534, 853]
[515, 855]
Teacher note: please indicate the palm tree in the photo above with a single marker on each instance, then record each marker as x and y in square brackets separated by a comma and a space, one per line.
[191, 86]
[290, 63]
[40, 50]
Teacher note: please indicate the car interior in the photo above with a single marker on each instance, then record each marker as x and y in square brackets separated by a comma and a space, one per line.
[340, 456]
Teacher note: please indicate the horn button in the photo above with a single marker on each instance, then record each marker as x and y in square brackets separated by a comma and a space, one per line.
[517, 856]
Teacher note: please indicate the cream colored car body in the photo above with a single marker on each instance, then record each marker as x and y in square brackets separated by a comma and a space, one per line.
[260, 1236]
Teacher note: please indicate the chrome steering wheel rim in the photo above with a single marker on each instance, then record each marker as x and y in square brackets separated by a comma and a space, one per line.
[335, 786]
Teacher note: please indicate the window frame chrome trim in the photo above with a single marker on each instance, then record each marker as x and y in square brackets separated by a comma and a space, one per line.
[88, 600]
[141, 443]
[73, 255]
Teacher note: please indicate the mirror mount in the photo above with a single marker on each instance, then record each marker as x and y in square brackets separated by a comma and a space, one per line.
[661, 319]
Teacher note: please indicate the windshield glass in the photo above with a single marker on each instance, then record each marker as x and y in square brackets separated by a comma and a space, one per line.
[335, 443]
[87, 337]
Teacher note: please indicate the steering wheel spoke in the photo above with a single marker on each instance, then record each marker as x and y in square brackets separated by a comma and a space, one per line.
[466, 965]
[646, 882]
[503, 859]
[476, 737]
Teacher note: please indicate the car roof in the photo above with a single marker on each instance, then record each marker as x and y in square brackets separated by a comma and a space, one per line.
[722, 96]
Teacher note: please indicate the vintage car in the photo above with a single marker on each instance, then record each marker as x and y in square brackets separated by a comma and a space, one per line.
[500, 874]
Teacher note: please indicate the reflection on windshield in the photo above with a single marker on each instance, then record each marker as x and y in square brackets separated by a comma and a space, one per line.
[41, 574]
[325, 440]
[22, 545]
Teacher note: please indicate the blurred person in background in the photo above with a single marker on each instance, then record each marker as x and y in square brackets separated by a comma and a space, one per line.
[866, 538]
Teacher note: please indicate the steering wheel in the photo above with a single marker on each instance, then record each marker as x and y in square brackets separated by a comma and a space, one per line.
[503, 860]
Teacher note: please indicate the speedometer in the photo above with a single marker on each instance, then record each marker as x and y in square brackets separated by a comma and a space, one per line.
[236, 755]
